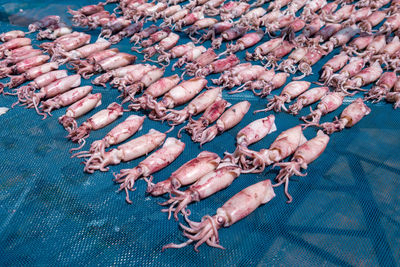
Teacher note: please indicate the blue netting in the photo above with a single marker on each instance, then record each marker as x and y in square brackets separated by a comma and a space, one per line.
[345, 212]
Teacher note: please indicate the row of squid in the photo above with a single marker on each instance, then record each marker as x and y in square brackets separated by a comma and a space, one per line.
[207, 173]
[366, 17]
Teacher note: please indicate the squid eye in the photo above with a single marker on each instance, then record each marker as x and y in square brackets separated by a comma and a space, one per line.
[175, 184]
[220, 220]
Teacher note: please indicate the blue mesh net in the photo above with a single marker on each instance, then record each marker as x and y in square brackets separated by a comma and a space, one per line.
[346, 211]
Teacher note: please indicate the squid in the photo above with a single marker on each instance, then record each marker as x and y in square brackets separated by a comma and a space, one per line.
[330, 102]
[351, 115]
[307, 98]
[187, 174]
[161, 158]
[177, 96]
[128, 151]
[158, 88]
[195, 107]
[206, 186]
[64, 99]
[239, 206]
[97, 121]
[79, 109]
[228, 120]
[290, 91]
[284, 145]
[117, 135]
[211, 114]
[304, 155]
[250, 134]
[385, 83]
[55, 88]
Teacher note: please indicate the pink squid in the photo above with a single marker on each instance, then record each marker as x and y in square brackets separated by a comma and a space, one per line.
[92, 59]
[175, 52]
[263, 49]
[195, 107]
[117, 135]
[304, 155]
[244, 76]
[211, 114]
[64, 99]
[187, 174]
[268, 82]
[358, 44]
[288, 65]
[109, 63]
[157, 89]
[385, 83]
[394, 95]
[364, 77]
[164, 45]
[204, 187]
[161, 158]
[248, 40]
[391, 24]
[201, 61]
[352, 68]
[99, 120]
[219, 66]
[24, 92]
[24, 65]
[351, 115]
[52, 34]
[371, 21]
[116, 73]
[236, 208]
[128, 151]
[189, 56]
[177, 96]
[199, 25]
[83, 51]
[330, 102]
[7, 36]
[250, 134]
[79, 109]
[307, 98]
[228, 120]
[51, 90]
[284, 145]
[137, 85]
[13, 44]
[289, 92]
[31, 74]
[333, 65]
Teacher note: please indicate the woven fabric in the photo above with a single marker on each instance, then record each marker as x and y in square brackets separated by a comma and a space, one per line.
[346, 211]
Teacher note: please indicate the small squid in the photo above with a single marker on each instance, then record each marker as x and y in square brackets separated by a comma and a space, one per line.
[187, 174]
[161, 158]
[351, 115]
[128, 151]
[228, 119]
[289, 92]
[239, 206]
[207, 185]
[304, 155]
